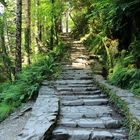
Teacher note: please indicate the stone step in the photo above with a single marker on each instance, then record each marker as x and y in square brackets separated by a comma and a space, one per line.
[76, 89]
[73, 68]
[79, 65]
[105, 122]
[72, 97]
[67, 77]
[81, 60]
[86, 102]
[76, 71]
[86, 111]
[79, 53]
[96, 92]
[63, 133]
[77, 85]
[72, 83]
[77, 75]
[64, 82]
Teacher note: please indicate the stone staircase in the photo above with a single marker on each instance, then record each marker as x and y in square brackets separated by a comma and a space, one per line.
[85, 113]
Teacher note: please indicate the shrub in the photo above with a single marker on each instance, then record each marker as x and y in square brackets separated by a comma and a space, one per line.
[126, 77]
[29, 81]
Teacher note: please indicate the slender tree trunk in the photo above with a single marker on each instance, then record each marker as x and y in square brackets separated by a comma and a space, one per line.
[4, 50]
[18, 61]
[60, 24]
[51, 36]
[39, 29]
[56, 30]
[27, 29]
[67, 22]
[52, 26]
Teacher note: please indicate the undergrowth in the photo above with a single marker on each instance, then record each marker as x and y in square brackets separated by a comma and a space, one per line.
[127, 77]
[29, 80]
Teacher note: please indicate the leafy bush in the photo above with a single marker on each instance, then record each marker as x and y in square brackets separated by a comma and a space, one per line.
[126, 77]
[4, 110]
[29, 81]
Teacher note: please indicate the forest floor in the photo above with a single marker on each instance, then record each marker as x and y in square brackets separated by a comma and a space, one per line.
[13, 125]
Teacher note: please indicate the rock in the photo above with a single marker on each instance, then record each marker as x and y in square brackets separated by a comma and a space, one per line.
[101, 135]
[43, 117]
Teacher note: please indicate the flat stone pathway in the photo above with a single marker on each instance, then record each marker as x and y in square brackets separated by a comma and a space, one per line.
[85, 113]
[13, 125]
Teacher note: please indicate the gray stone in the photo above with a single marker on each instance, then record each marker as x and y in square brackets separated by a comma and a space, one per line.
[80, 92]
[101, 135]
[71, 97]
[90, 123]
[76, 89]
[80, 135]
[118, 136]
[68, 122]
[64, 82]
[113, 123]
[43, 116]
[45, 90]
[92, 102]
[73, 103]
[86, 111]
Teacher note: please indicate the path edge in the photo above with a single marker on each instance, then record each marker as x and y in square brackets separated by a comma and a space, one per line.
[126, 102]
[40, 126]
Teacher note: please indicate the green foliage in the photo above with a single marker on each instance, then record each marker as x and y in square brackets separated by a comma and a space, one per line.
[125, 75]
[81, 26]
[113, 35]
[29, 81]
[4, 110]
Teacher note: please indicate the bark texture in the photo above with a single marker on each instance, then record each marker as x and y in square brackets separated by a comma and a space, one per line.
[18, 61]
[27, 29]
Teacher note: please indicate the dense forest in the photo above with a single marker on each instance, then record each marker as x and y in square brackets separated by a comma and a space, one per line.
[31, 47]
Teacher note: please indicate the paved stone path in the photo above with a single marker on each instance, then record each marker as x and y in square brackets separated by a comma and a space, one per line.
[14, 124]
[85, 113]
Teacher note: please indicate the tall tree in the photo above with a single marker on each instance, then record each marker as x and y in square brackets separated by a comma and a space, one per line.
[52, 24]
[39, 27]
[5, 56]
[27, 29]
[18, 61]
[67, 21]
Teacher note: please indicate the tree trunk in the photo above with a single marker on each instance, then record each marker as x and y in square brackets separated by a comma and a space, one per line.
[27, 29]
[56, 30]
[67, 22]
[39, 30]
[52, 26]
[4, 50]
[18, 61]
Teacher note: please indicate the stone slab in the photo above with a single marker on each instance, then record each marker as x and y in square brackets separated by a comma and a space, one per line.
[88, 102]
[43, 116]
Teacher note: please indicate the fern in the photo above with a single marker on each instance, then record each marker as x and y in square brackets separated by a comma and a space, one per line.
[29, 81]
